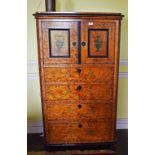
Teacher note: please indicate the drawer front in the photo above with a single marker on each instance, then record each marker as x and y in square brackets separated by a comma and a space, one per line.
[83, 132]
[97, 75]
[79, 74]
[61, 92]
[61, 74]
[79, 91]
[78, 110]
[96, 92]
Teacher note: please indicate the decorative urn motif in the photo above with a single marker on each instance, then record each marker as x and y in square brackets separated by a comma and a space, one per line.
[98, 43]
[59, 42]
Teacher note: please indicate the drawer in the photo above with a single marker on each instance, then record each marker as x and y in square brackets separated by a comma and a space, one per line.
[78, 110]
[80, 132]
[97, 74]
[96, 92]
[61, 92]
[79, 74]
[79, 91]
[61, 74]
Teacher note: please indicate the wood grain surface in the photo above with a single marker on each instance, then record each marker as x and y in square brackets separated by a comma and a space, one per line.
[79, 74]
[78, 110]
[78, 62]
[80, 132]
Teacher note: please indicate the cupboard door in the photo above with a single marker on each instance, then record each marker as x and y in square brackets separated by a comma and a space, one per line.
[59, 42]
[98, 41]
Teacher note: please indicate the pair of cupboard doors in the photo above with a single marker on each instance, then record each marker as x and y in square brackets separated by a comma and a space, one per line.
[74, 41]
[78, 61]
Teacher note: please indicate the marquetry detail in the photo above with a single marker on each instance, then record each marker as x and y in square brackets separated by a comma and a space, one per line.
[79, 74]
[80, 132]
[56, 42]
[76, 110]
[59, 43]
[78, 63]
[98, 45]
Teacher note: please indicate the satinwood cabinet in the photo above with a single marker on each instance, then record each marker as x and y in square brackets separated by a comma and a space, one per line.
[78, 62]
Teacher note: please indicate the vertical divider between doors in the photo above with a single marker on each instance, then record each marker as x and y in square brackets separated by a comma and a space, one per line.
[79, 42]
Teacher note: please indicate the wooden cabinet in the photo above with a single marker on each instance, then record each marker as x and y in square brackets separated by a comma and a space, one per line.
[78, 61]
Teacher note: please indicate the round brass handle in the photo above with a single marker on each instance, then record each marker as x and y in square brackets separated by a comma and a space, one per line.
[83, 43]
[74, 44]
[79, 106]
[79, 87]
[80, 125]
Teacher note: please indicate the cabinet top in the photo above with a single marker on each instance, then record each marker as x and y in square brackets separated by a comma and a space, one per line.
[78, 14]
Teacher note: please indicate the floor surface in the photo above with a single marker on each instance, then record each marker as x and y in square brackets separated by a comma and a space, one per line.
[35, 146]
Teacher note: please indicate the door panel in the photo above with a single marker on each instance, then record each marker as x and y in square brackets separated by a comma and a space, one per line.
[98, 41]
[60, 42]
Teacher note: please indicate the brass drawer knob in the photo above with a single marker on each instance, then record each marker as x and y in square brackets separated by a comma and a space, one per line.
[83, 43]
[80, 125]
[74, 44]
[79, 106]
[79, 87]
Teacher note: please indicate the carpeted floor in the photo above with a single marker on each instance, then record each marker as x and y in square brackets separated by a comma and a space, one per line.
[36, 147]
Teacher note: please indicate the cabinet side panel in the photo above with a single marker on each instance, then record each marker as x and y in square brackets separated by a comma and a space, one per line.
[116, 71]
[41, 71]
